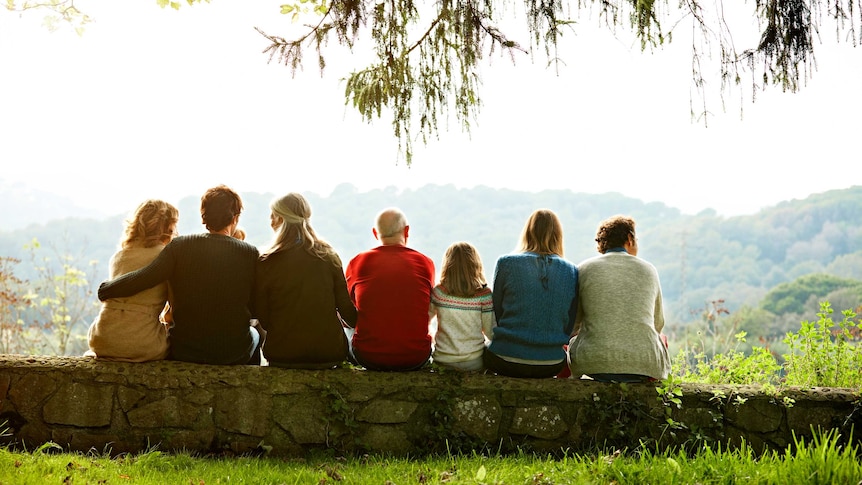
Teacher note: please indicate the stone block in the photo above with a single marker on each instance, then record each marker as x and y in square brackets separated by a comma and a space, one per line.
[184, 440]
[160, 381]
[478, 417]
[510, 399]
[28, 393]
[693, 418]
[281, 440]
[107, 378]
[199, 397]
[736, 438]
[129, 397]
[169, 412]
[359, 394]
[4, 386]
[576, 429]
[78, 404]
[382, 411]
[287, 381]
[544, 422]
[756, 415]
[303, 417]
[243, 410]
[381, 438]
[33, 435]
[801, 419]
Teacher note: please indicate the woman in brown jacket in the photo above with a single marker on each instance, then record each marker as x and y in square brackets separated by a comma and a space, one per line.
[301, 295]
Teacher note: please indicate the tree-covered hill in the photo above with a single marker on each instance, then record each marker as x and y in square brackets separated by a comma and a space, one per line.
[739, 259]
[700, 258]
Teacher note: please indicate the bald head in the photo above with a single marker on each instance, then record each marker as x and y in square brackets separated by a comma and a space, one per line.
[391, 227]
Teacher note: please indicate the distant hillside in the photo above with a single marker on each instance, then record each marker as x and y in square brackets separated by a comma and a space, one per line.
[24, 205]
[699, 258]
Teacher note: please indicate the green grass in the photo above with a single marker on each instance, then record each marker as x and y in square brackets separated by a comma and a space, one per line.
[822, 461]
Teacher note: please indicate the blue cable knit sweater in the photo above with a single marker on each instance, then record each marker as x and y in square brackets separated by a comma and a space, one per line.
[535, 302]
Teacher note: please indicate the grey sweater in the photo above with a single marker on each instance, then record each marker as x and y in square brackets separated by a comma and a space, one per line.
[619, 318]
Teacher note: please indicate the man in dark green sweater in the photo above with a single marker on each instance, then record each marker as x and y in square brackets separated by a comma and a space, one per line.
[211, 278]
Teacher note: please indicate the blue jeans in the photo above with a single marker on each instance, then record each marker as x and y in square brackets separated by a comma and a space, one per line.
[254, 357]
[498, 365]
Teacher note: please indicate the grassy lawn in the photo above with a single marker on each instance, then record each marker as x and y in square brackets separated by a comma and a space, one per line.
[823, 461]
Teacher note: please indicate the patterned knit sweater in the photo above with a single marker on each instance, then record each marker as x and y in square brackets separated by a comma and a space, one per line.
[462, 324]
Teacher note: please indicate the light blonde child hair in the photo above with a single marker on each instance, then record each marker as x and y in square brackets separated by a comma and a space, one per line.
[462, 274]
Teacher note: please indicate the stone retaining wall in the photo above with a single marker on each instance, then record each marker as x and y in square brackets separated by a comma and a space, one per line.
[83, 405]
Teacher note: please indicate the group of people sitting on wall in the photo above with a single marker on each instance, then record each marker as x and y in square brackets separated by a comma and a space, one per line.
[213, 298]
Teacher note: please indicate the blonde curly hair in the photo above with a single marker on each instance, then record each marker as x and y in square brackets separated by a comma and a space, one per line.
[152, 223]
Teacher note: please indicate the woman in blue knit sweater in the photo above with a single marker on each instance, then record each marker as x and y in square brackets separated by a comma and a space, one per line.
[535, 303]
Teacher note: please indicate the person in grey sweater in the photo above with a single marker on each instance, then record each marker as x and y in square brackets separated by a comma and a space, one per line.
[620, 317]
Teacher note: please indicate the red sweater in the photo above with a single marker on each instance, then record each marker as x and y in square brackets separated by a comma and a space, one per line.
[391, 289]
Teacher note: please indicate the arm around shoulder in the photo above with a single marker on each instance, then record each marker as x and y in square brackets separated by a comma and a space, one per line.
[136, 281]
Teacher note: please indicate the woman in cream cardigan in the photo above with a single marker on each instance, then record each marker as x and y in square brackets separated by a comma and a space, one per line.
[128, 329]
[620, 316]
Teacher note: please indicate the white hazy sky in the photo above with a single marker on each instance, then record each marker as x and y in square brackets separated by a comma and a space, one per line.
[159, 103]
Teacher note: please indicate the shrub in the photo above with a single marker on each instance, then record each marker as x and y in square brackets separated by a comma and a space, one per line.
[822, 355]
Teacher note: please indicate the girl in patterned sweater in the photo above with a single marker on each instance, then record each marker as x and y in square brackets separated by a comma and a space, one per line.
[463, 306]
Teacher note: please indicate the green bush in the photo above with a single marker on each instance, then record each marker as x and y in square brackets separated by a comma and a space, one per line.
[823, 355]
[732, 367]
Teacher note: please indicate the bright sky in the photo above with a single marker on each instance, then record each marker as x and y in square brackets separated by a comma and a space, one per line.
[160, 103]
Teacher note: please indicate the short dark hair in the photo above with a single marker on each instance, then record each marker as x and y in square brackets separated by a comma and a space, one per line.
[219, 205]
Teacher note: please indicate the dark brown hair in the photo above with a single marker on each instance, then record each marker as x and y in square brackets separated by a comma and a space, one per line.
[614, 232]
[219, 205]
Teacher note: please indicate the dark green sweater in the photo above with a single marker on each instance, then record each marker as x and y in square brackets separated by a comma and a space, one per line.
[212, 281]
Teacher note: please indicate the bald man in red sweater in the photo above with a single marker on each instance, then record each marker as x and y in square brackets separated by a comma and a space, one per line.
[391, 288]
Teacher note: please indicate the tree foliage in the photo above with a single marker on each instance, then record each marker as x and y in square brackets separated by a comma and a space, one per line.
[427, 56]
[793, 296]
[46, 316]
[55, 13]
[61, 302]
[16, 336]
